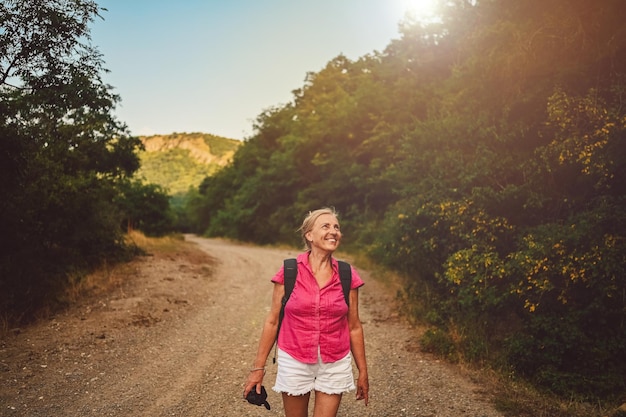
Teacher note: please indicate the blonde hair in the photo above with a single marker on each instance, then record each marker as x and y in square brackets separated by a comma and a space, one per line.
[309, 221]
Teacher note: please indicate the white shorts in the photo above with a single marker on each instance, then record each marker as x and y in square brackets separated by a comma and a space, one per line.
[296, 378]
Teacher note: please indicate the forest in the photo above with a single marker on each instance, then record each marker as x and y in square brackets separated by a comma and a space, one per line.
[480, 156]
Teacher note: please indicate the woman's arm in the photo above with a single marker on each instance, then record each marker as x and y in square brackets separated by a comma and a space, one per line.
[268, 337]
[357, 346]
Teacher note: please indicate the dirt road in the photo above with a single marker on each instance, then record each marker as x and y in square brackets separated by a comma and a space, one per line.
[177, 337]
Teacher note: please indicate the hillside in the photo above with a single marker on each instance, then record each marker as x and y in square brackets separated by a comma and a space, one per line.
[182, 160]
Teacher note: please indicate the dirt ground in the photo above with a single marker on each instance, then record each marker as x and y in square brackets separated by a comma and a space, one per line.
[178, 335]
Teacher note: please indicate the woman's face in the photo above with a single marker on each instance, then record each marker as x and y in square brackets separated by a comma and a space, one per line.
[325, 233]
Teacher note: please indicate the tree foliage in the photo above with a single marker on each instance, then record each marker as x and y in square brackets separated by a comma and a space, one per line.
[483, 156]
[62, 153]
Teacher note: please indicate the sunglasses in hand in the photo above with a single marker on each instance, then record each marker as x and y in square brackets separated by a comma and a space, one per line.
[258, 399]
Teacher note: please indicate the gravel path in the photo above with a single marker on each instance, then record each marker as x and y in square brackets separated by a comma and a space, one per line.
[178, 335]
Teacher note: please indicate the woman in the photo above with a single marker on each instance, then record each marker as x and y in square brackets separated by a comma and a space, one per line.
[320, 333]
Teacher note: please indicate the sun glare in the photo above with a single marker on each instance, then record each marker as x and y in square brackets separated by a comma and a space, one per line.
[422, 9]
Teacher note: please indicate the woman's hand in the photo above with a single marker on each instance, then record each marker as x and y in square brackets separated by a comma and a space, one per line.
[363, 388]
[254, 381]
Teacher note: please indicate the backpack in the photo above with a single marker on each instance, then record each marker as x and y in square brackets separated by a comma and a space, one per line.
[291, 272]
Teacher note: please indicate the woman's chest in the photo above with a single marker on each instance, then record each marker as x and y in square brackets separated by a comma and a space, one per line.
[310, 299]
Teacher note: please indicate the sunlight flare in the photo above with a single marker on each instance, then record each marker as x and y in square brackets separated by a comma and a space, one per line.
[421, 9]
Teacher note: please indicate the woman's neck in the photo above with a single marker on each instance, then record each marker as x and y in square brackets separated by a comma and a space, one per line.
[320, 260]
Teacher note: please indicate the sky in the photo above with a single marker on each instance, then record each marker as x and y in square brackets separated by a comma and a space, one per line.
[213, 66]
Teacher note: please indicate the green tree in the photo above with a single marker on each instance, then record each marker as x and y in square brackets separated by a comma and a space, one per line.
[145, 207]
[61, 150]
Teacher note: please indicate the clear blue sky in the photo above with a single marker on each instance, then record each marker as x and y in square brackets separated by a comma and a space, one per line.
[213, 66]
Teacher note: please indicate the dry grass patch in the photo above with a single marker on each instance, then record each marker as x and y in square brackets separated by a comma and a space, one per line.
[112, 277]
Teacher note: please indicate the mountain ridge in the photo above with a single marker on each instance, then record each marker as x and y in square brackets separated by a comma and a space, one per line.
[179, 161]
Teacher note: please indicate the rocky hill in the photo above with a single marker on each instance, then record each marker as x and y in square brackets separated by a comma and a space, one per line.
[182, 160]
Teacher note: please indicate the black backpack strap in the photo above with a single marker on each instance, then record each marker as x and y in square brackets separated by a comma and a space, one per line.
[345, 275]
[290, 269]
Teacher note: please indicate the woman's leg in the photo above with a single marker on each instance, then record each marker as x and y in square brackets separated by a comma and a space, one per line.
[296, 405]
[326, 405]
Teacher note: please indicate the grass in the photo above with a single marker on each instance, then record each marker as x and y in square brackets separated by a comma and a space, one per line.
[165, 244]
[111, 277]
[519, 399]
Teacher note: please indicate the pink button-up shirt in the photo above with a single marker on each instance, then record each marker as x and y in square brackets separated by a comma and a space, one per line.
[315, 317]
